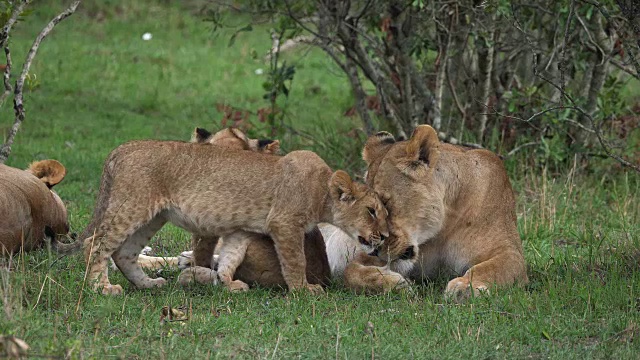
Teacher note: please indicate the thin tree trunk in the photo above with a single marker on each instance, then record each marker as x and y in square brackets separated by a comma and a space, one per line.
[444, 41]
[598, 76]
[486, 48]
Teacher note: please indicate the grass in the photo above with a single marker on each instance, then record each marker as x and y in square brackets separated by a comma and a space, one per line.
[98, 85]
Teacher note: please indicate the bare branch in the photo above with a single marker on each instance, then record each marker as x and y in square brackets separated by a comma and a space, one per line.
[18, 106]
[520, 147]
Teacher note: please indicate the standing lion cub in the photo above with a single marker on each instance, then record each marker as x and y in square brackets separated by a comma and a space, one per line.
[212, 190]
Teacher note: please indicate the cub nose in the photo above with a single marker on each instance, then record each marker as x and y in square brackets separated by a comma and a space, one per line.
[362, 240]
[408, 254]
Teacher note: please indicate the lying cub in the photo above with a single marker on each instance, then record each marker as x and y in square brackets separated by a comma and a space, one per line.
[217, 191]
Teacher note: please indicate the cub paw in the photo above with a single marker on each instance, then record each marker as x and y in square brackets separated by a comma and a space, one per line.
[198, 274]
[112, 290]
[151, 283]
[185, 260]
[237, 286]
[460, 289]
[315, 289]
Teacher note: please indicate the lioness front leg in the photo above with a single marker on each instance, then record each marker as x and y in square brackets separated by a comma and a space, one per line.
[369, 274]
[503, 269]
[289, 245]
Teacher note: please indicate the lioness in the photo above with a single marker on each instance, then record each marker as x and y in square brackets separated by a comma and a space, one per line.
[29, 209]
[450, 208]
[148, 183]
[234, 138]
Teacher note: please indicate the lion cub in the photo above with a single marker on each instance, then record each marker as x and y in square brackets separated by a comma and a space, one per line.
[234, 246]
[217, 191]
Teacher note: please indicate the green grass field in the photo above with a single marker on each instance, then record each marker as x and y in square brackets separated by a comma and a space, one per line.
[98, 84]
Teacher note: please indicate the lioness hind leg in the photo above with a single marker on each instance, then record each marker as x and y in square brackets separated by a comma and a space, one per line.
[289, 244]
[232, 252]
[503, 269]
[126, 257]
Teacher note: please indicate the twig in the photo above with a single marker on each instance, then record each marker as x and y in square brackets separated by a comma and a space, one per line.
[17, 100]
[273, 356]
[624, 68]
[518, 148]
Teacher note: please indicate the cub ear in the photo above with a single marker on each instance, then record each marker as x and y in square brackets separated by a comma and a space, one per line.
[376, 146]
[239, 134]
[341, 187]
[49, 172]
[200, 135]
[269, 146]
[423, 146]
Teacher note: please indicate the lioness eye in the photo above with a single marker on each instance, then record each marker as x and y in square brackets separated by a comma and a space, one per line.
[372, 212]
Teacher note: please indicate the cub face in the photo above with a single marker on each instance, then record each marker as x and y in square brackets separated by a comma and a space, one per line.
[403, 175]
[235, 139]
[358, 211]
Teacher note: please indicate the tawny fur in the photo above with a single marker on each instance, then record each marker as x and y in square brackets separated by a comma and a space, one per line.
[150, 183]
[29, 210]
[456, 205]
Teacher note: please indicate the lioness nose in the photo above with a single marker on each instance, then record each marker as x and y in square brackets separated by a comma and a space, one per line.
[362, 240]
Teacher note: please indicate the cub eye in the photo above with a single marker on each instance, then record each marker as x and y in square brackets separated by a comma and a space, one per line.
[372, 212]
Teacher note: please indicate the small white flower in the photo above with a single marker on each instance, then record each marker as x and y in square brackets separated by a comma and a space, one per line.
[146, 36]
[259, 71]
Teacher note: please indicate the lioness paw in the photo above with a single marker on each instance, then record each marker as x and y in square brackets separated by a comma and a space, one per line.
[395, 282]
[112, 290]
[185, 260]
[237, 286]
[460, 289]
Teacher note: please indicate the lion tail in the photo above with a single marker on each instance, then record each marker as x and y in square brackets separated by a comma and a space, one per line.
[106, 182]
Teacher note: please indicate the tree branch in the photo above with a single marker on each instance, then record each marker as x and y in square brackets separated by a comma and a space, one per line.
[18, 106]
[6, 29]
[7, 78]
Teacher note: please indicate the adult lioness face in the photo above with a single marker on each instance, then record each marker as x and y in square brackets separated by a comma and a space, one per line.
[404, 175]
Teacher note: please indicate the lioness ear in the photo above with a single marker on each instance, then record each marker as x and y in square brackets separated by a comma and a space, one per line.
[200, 135]
[341, 187]
[49, 172]
[423, 146]
[376, 146]
[269, 146]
